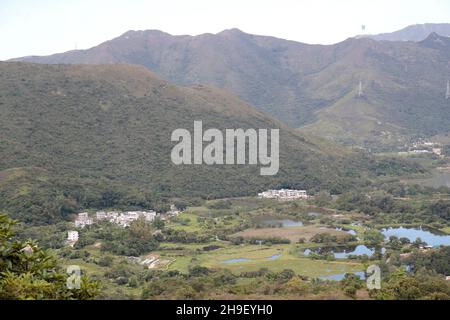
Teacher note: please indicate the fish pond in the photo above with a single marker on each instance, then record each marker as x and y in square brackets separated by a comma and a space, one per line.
[344, 252]
[431, 237]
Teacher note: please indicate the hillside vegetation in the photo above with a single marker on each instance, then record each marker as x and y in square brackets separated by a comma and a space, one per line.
[76, 137]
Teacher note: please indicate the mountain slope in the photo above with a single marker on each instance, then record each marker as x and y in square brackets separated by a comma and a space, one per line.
[308, 86]
[73, 136]
[264, 71]
[403, 93]
[417, 32]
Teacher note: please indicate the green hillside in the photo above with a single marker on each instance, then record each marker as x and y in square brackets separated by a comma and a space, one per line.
[99, 136]
[403, 93]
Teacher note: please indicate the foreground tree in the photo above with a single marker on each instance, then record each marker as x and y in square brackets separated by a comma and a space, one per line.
[29, 272]
[423, 285]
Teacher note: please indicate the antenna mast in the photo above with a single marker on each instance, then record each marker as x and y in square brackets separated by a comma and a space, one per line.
[360, 89]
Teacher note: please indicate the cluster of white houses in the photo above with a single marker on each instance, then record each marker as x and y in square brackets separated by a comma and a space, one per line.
[284, 194]
[123, 219]
[423, 147]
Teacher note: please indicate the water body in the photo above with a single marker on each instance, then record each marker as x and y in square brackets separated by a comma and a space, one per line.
[282, 223]
[345, 251]
[340, 276]
[236, 260]
[431, 238]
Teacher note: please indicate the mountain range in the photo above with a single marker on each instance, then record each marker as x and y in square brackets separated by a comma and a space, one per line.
[417, 32]
[361, 91]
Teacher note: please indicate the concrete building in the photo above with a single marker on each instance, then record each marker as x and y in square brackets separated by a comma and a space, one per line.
[437, 151]
[83, 220]
[72, 237]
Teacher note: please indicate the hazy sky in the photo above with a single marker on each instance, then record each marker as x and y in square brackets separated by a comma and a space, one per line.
[39, 27]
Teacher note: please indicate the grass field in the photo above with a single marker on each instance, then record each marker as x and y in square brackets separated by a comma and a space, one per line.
[446, 230]
[291, 233]
[191, 224]
[260, 258]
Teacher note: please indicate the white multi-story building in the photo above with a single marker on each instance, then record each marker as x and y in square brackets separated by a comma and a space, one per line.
[83, 220]
[101, 215]
[284, 194]
[72, 237]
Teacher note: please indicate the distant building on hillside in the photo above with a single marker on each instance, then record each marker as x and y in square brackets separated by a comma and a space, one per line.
[284, 194]
[174, 210]
[83, 220]
[110, 216]
[420, 151]
[72, 237]
[437, 151]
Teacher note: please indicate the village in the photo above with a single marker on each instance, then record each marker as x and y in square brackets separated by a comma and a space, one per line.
[289, 233]
[123, 219]
[425, 147]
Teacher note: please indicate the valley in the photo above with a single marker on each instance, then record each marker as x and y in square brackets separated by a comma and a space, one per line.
[247, 241]
[228, 166]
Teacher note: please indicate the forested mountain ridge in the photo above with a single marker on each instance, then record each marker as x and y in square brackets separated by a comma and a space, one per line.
[314, 87]
[416, 32]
